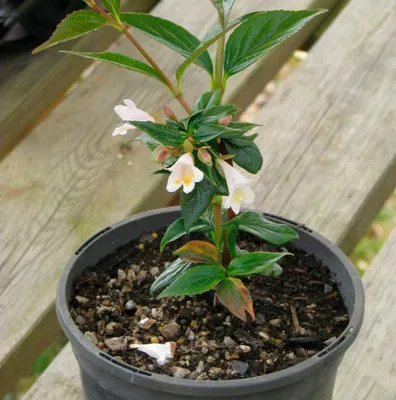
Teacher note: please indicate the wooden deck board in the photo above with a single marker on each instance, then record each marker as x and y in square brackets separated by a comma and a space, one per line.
[66, 180]
[328, 136]
[369, 369]
[30, 85]
[331, 129]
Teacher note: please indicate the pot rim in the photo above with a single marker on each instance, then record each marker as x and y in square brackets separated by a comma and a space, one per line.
[203, 388]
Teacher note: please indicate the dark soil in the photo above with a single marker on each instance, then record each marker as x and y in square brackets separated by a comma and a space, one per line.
[298, 314]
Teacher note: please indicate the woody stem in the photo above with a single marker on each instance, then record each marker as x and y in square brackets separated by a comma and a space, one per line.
[119, 25]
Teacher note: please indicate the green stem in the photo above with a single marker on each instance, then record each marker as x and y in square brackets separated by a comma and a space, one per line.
[218, 219]
[219, 66]
[178, 96]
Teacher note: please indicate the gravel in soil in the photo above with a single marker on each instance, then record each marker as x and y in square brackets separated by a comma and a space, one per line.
[297, 314]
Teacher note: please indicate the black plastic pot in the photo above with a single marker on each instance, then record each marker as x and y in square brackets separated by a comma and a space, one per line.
[106, 378]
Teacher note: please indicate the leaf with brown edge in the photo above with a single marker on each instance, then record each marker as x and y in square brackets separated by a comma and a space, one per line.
[198, 252]
[234, 295]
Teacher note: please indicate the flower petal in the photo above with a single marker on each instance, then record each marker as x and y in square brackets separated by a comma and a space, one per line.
[130, 103]
[123, 129]
[174, 182]
[130, 112]
[198, 174]
[232, 175]
[236, 206]
[186, 158]
[226, 202]
[249, 195]
[189, 187]
[163, 353]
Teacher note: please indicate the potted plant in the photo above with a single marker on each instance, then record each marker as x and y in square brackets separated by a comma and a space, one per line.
[205, 300]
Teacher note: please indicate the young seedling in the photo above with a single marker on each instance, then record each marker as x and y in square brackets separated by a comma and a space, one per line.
[198, 152]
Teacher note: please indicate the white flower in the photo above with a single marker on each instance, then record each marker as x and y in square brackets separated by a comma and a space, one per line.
[238, 187]
[163, 353]
[183, 172]
[130, 112]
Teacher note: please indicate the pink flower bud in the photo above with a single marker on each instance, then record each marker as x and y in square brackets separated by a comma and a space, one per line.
[170, 114]
[225, 120]
[205, 156]
[161, 154]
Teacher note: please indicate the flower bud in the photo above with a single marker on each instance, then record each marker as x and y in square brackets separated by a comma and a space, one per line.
[188, 146]
[225, 120]
[205, 156]
[91, 3]
[170, 114]
[161, 154]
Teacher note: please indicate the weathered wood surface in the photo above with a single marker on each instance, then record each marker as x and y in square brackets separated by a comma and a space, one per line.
[331, 130]
[328, 136]
[30, 85]
[369, 368]
[65, 180]
[60, 381]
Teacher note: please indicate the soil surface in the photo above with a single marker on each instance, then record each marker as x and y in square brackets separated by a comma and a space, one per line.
[297, 314]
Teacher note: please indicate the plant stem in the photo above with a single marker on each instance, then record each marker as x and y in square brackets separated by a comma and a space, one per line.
[230, 215]
[219, 66]
[218, 219]
[178, 96]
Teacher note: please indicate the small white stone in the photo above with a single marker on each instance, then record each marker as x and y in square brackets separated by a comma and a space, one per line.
[200, 367]
[264, 336]
[229, 342]
[82, 300]
[91, 336]
[275, 322]
[179, 372]
[146, 323]
[245, 349]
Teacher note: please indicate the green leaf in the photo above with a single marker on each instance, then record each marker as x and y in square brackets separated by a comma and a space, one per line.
[232, 132]
[243, 141]
[224, 8]
[113, 6]
[73, 26]
[247, 157]
[234, 295]
[212, 37]
[196, 280]
[256, 224]
[238, 129]
[206, 133]
[161, 172]
[194, 204]
[207, 100]
[121, 61]
[176, 230]
[275, 271]
[256, 37]
[150, 142]
[198, 252]
[209, 115]
[165, 134]
[233, 247]
[254, 263]
[169, 34]
[173, 272]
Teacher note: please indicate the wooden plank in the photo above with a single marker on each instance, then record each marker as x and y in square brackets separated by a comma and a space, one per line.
[60, 380]
[315, 130]
[30, 85]
[328, 136]
[65, 180]
[369, 369]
